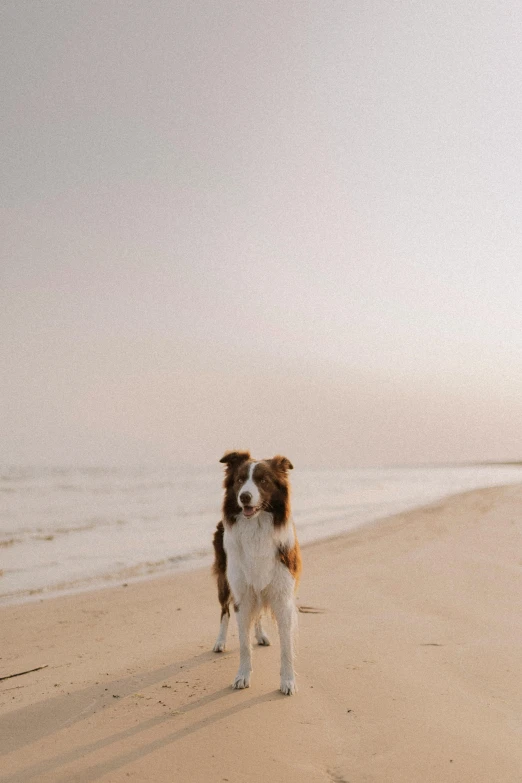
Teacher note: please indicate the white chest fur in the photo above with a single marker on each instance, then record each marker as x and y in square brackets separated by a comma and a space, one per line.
[252, 547]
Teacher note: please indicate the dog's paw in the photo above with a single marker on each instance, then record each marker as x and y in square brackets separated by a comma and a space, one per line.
[262, 639]
[288, 686]
[219, 646]
[241, 681]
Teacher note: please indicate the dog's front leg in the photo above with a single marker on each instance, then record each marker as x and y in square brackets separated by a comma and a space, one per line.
[244, 614]
[285, 612]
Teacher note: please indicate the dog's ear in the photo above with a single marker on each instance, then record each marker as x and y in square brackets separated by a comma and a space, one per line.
[234, 458]
[281, 463]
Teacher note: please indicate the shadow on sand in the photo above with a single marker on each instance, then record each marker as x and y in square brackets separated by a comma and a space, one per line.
[34, 722]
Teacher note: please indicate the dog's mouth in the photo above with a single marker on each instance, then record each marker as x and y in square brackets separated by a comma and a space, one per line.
[249, 511]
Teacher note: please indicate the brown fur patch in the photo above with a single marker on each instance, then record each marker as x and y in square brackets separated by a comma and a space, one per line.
[220, 556]
[291, 558]
[233, 461]
[272, 479]
[219, 569]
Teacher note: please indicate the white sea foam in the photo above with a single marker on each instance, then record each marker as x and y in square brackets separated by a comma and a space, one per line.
[69, 529]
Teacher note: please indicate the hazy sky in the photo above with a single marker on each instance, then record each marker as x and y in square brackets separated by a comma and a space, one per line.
[290, 226]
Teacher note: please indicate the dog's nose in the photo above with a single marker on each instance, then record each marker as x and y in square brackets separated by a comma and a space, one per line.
[245, 498]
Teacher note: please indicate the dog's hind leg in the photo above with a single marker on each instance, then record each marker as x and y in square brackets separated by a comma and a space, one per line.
[224, 599]
[220, 568]
[221, 641]
[261, 637]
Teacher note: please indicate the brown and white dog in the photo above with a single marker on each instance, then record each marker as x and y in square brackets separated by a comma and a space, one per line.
[257, 558]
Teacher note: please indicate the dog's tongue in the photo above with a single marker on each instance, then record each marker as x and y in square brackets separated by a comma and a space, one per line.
[248, 510]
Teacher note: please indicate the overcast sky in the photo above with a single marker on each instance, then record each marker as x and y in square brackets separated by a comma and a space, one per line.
[290, 226]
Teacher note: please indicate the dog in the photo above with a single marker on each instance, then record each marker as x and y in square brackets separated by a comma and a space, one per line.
[257, 558]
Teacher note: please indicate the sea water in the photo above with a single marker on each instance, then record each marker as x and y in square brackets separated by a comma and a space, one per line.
[69, 529]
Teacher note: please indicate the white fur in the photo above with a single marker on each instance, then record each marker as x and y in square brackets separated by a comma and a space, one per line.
[252, 545]
[258, 579]
[250, 486]
[222, 636]
[261, 637]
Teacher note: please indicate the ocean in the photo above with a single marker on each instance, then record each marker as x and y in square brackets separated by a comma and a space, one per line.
[71, 529]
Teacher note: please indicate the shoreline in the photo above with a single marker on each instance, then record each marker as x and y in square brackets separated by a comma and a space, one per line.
[84, 533]
[408, 667]
[146, 571]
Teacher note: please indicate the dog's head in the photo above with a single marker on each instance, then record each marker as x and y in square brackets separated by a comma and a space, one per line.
[255, 485]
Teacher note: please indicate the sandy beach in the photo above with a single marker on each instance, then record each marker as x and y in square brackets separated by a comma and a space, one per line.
[409, 667]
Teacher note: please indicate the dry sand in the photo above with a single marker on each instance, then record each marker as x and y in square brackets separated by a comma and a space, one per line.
[411, 671]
